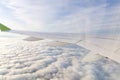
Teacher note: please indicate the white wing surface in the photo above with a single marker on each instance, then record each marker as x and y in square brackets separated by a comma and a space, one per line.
[106, 44]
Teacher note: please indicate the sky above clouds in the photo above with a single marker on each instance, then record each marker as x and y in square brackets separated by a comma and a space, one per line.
[61, 15]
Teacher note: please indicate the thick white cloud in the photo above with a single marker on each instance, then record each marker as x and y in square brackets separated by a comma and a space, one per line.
[49, 60]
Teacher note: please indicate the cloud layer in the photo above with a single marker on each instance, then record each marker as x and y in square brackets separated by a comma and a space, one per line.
[49, 60]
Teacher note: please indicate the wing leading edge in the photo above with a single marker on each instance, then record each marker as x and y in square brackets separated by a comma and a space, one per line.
[105, 45]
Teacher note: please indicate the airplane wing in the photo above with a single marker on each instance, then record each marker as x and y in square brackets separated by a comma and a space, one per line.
[105, 45]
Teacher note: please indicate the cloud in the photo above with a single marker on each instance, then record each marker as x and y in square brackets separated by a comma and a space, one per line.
[35, 13]
[20, 61]
[92, 19]
[80, 21]
[64, 15]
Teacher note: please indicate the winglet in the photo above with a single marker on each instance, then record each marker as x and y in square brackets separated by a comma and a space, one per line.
[4, 28]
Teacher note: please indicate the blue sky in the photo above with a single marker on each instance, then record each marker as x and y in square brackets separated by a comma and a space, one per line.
[61, 15]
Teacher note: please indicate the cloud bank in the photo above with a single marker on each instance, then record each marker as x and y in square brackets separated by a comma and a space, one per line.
[49, 60]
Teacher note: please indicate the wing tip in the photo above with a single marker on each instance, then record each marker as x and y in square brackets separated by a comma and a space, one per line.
[4, 28]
